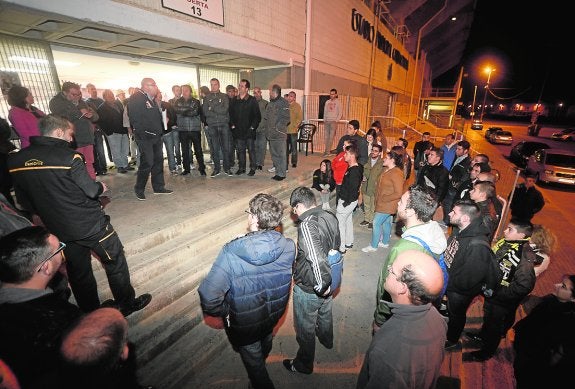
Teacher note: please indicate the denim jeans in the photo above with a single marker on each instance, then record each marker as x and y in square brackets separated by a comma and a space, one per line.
[381, 228]
[261, 146]
[120, 146]
[345, 220]
[254, 359]
[330, 129]
[291, 148]
[312, 317]
[172, 142]
[221, 137]
[278, 152]
[457, 305]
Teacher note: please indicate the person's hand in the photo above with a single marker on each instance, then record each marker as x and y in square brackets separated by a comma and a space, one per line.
[86, 112]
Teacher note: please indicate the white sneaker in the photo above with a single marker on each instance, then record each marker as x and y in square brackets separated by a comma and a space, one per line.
[369, 249]
[272, 169]
[381, 244]
[192, 167]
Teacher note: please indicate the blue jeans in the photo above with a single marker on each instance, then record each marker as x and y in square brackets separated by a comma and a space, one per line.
[312, 317]
[221, 138]
[254, 359]
[120, 147]
[172, 142]
[381, 228]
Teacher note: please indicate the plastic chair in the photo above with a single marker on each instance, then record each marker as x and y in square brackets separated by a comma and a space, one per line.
[306, 131]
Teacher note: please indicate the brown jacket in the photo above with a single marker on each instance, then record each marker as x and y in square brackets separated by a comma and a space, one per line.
[389, 190]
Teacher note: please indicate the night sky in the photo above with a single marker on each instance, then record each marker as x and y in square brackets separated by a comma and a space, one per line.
[529, 44]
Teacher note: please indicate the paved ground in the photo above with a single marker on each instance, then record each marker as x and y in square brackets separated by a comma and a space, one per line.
[353, 307]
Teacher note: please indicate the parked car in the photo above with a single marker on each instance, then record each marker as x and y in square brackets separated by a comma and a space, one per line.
[521, 152]
[556, 166]
[501, 137]
[476, 124]
[565, 135]
[490, 131]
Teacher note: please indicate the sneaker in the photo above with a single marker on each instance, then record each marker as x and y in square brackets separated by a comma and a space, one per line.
[369, 249]
[240, 172]
[293, 165]
[141, 196]
[185, 173]
[260, 167]
[364, 223]
[122, 170]
[252, 172]
[136, 305]
[370, 226]
[229, 173]
[130, 168]
[349, 246]
[164, 191]
[192, 167]
[215, 173]
[272, 169]
[202, 172]
[278, 178]
[382, 245]
[288, 364]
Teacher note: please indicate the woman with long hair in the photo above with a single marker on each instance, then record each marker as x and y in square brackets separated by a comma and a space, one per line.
[323, 182]
[23, 115]
[543, 242]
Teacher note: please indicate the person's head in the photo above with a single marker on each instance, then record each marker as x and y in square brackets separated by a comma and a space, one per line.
[291, 97]
[482, 190]
[487, 176]
[186, 91]
[418, 204]
[92, 91]
[565, 291]
[214, 85]
[449, 139]
[518, 230]
[479, 168]
[435, 156]
[464, 212]
[402, 142]
[425, 136]
[529, 178]
[376, 151]
[544, 239]
[275, 92]
[265, 212]
[56, 126]
[376, 125]
[301, 199]
[351, 152]
[414, 278]
[462, 148]
[95, 345]
[333, 94]
[30, 256]
[72, 91]
[480, 158]
[393, 159]
[243, 87]
[325, 166]
[371, 135]
[18, 97]
[258, 93]
[352, 127]
[120, 94]
[108, 96]
[149, 87]
[204, 91]
[231, 91]
[176, 90]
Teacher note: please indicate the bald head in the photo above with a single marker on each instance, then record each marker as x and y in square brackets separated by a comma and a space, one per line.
[97, 341]
[414, 278]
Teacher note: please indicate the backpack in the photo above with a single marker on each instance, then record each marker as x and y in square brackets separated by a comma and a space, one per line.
[494, 272]
[440, 260]
[335, 261]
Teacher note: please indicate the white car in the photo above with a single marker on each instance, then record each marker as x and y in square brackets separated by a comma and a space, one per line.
[556, 166]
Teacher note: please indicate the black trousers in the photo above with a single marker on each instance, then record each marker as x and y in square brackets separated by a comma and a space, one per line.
[241, 146]
[189, 139]
[151, 162]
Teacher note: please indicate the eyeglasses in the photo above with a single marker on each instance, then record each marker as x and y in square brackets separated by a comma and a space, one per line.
[59, 249]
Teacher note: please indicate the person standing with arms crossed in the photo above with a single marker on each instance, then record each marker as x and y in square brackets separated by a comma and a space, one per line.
[332, 113]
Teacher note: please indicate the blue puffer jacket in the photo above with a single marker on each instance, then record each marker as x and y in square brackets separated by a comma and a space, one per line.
[249, 285]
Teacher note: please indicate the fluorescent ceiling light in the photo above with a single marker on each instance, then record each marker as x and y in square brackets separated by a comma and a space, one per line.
[67, 64]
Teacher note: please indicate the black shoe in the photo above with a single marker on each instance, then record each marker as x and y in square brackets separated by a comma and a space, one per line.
[364, 223]
[293, 165]
[229, 173]
[130, 168]
[122, 170]
[202, 172]
[240, 172]
[136, 305]
[288, 364]
[349, 246]
[370, 226]
[260, 167]
[184, 173]
[110, 303]
[451, 346]
[215, 173]
[475, 336]
[101, 173]
[252, 172]
[278, 178]
[141, 196]
[475, 356]
[163, 191]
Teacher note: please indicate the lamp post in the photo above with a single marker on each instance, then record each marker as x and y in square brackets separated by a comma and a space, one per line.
[473, 106]
[489, 70]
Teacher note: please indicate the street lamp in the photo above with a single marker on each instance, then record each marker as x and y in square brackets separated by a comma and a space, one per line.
[488, 70]
[473, 106]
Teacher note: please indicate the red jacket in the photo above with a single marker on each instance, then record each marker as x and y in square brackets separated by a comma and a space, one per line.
[339, 167]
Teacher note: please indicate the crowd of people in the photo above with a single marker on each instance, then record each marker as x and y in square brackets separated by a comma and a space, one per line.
[446, 256]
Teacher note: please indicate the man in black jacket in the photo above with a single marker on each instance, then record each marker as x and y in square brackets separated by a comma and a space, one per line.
[146, 120]
[527, 200]
[68, 206]
[434, 175]
[245, 117]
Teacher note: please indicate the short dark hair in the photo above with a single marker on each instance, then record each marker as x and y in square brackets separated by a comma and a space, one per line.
[303, 195]
[355, 124]
[528, 173]
[465, 144]
[268, 210]
[17, 96]
[484, 167]
[380, 147]
[333, 90]
[277, 89]
[247, 82]
[21, 252]
[396, 157]
[486, 187]
[423, 202]
[66, 86]
[49, 123]
[437, 151]
[484, 157]
[468, 208]
[522, 226]
[426, 133]
[404, 141]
